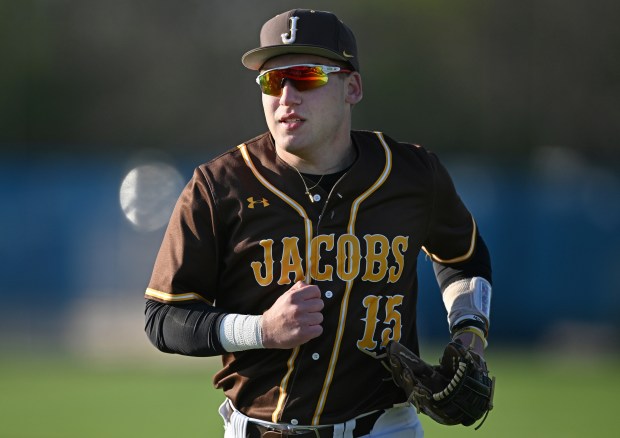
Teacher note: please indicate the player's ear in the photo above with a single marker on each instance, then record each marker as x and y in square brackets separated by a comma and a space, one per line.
[353, 91]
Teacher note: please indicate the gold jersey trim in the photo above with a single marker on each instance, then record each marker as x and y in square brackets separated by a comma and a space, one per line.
[345, 300]
[462, 258]
[173, 298]
[290, 364]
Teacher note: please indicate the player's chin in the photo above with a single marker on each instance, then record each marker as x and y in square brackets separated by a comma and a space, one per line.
[291, 142]
[292, 132]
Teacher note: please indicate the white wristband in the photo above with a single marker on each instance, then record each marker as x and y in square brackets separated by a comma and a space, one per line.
[468, 298]
[241, 332]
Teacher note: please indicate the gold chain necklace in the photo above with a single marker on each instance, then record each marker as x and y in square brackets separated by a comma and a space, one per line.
[303, 180]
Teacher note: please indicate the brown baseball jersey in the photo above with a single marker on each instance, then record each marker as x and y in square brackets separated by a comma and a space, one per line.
[244, 231]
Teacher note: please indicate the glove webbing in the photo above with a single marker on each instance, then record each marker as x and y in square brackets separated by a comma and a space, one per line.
[453, 383]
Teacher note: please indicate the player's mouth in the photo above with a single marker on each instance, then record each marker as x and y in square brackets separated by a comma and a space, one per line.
[292, 121]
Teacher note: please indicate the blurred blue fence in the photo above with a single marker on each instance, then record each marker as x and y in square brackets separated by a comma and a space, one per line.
[552, 225]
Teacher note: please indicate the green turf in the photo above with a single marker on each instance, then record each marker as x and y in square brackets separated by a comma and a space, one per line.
[44, 398]
[537, 397]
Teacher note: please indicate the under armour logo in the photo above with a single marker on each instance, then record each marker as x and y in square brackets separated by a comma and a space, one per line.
[252, 202]
[292, 35]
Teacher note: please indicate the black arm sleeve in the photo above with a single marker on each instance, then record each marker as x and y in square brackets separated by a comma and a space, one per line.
[478, 265]
[190, 329]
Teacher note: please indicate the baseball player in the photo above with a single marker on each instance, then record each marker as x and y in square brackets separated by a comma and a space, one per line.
[293, 255]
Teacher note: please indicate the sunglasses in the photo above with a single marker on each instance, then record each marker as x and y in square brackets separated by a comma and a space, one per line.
[302, 76]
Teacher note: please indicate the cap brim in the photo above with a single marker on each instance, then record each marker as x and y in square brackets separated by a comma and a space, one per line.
[254, 59]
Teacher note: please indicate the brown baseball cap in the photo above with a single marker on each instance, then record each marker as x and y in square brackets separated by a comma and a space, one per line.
[304, 31]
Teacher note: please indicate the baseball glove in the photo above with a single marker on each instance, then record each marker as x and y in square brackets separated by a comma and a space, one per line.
[457, 391]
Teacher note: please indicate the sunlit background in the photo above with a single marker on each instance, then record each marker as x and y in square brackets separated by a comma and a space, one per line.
[107, 106]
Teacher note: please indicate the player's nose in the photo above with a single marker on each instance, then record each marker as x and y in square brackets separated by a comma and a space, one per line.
[290, 95]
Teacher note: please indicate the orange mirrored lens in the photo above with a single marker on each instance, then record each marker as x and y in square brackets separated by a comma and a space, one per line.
[302, 77]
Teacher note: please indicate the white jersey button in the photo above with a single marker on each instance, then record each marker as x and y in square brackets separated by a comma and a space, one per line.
[329, 294]
[316, 197]
[315, 356]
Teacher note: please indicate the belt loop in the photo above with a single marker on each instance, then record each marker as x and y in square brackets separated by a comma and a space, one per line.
[339, 430]
[349, 427]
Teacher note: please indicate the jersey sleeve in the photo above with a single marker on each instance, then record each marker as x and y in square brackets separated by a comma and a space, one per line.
[185, 269]
[451, 233]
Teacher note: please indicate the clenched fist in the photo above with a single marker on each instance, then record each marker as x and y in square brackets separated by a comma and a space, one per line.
[295, 318]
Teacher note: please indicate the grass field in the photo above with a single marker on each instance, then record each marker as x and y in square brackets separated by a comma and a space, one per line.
[47, 398]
